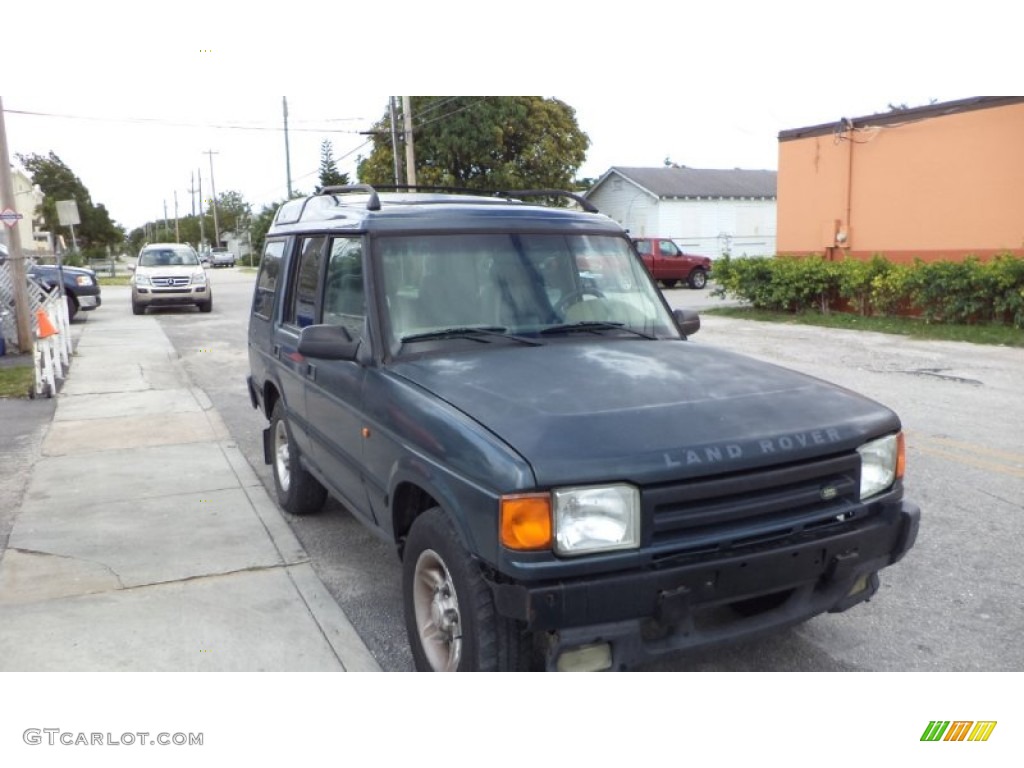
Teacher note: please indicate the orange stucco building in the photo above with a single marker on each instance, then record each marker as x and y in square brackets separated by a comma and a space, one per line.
[938, 182]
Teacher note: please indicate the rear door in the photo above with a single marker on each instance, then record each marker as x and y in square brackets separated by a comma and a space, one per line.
[299, 309]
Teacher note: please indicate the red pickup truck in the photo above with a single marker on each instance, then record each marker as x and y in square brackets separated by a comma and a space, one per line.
[668, 264]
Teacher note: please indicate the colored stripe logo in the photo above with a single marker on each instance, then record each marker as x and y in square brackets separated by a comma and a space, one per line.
[959, 730]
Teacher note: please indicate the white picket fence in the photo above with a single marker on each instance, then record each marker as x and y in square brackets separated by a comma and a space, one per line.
[51, 353]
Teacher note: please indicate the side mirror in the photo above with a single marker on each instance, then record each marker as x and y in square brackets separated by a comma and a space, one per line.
[327, 342]
[131, 267]
[687, 320]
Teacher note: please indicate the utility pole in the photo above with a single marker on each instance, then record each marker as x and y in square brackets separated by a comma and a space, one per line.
[167, 229]
[410, 155]
[202, 214]
[213, 193]
[21, 309]
[394, 141]
[177, 231]
[287, 153]
[192, 191]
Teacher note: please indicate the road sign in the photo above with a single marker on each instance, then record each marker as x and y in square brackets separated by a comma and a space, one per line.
[67, 213]
[9, 217]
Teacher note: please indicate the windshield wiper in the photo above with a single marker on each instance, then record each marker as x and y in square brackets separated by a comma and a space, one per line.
[594, 326]
[469, 331]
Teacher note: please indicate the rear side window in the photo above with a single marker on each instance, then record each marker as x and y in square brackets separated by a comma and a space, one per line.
[302, 304]
[266, 283]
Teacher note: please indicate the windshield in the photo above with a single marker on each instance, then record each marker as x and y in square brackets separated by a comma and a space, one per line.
[168, 257]
[529, 285]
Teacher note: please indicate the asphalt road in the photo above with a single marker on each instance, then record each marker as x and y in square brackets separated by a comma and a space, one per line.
[954, 603]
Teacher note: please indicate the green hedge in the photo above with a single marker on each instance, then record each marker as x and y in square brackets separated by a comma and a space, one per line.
[961, 292]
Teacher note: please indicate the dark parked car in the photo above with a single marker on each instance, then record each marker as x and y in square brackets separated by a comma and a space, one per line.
[569, 481]
[81, 288]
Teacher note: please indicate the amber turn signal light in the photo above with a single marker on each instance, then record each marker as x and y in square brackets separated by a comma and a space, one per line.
[526, 521]
[901, 455]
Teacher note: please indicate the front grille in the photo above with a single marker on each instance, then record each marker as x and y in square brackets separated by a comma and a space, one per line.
[171, 282]
[751, 508]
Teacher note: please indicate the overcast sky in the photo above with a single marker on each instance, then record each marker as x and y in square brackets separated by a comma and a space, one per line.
[132, 104]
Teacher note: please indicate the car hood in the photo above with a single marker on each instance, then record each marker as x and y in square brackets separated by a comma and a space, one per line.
[186, 269]
[52, 268]
[647, 411]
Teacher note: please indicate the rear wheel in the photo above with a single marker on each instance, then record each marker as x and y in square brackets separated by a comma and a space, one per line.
[298, 492]
[450, 615]
[698, 278]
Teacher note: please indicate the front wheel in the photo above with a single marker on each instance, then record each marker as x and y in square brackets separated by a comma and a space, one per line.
[450, 615]
[698, 278]
[298, 492]
[670, 283]
[206, 306]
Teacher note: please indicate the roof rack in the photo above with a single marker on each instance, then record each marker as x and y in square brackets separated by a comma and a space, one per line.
[373, 204]
[583, 202]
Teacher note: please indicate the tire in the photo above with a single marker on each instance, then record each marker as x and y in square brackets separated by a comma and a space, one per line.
[206, 306]
[449, 609]
[670, 283]
[698, 279]
[138, 309]
[72, 306]
[298, 492]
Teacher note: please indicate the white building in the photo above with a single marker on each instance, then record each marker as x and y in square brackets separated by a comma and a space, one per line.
[705, 211]
[27, 196]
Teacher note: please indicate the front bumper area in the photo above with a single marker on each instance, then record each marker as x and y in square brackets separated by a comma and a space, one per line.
[153, 297]
[698, 603]
[87, 301]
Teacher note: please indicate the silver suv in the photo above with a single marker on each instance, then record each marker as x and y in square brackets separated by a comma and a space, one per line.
[170, 274]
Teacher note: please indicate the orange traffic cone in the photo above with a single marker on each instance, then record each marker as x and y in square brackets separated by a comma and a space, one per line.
[46, 329]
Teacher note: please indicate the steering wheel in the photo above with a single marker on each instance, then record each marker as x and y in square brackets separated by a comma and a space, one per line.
[575, 297]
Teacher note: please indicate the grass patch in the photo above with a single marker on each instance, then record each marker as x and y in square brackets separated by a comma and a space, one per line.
[17, 381]
[119, 280]
[903, 326]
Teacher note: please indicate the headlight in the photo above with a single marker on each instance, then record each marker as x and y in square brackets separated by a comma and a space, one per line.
[596, 519]
[141, 279]
[198, 278]
[83, 280]
[881, 463]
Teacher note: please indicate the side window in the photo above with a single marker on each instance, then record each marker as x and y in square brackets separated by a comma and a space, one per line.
[643, 247]
[266, 283]
[302, 302]
[668, 248]
[344, 300]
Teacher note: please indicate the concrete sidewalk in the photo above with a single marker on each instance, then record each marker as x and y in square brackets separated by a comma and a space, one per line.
[145, 541]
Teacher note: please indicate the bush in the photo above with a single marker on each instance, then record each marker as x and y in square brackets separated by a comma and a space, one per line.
[964, 292]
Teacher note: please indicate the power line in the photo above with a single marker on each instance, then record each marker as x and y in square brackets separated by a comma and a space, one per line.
[176, 124]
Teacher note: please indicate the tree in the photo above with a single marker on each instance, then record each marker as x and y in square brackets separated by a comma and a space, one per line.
[58, 182]
[485, 142]
[261, 222]
[329, 174]
[231, 211]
